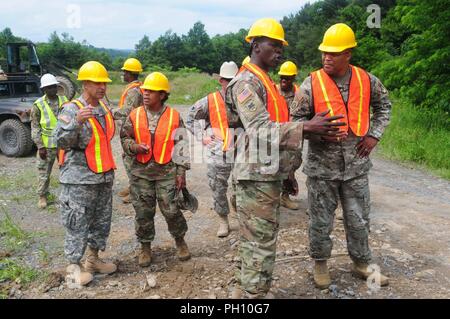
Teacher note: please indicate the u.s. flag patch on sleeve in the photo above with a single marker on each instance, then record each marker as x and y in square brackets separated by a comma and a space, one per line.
[244, 95]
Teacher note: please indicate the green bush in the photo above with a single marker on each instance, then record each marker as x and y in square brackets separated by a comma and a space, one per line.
[419, 135]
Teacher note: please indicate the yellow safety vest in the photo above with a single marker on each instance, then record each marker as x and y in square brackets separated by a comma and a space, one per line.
[48, 120]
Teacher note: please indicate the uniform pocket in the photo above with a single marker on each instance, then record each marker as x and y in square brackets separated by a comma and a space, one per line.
[73, 215]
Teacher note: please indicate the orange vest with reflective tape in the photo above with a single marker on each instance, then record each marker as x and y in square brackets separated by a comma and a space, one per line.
[218, 118]
[160, 143]
[276, 104]
[326, 96]
[125, 93]
[99, 156]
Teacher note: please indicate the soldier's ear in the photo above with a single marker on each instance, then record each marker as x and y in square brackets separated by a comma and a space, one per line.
[255, 46]
[349, 55]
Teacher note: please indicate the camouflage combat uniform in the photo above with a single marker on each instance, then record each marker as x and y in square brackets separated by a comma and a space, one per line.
[219, 168]
[288, 96]
[335, 172]
[133, 100]
[44, 166]
[153, 182]
[258, 183]
[86, 197]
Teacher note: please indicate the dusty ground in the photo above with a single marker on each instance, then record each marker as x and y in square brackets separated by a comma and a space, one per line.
[410, 239]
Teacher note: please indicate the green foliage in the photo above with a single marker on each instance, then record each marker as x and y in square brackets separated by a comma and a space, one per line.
[187, 84]
[65, 50]
[6, 36]
[190, 87]
[13, 236]
[421, 72]
[11, 270]
[229, 47]
[419, 135]
[194, 50]
[18, 187]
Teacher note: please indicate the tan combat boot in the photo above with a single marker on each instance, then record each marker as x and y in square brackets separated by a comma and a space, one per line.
[94, 264]
[224, 226]
[42, 202]
[239, 293]
[261, 295]
[288, 203]
[321, 275]
[360, 270]
[124, 192]
[183, 250]
[76, 277]
[145, 255]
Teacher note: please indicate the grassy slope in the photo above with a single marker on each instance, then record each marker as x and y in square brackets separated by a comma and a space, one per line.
[186, 87]
[418, 136]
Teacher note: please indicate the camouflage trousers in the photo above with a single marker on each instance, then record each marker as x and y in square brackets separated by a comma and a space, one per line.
[44, 168]
[144, 195]
[323, 199]
[258, 210]
[127, 161]
[218, 174]
[86, 214]
[296, 160]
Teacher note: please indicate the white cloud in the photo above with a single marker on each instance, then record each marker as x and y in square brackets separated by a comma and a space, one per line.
[120, 24]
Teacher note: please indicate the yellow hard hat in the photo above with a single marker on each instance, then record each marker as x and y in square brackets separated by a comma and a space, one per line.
[338, 38]
[288, 68]
[93, 71]
[156, 81]
[246, 60]
[267, 27]
[132, 65]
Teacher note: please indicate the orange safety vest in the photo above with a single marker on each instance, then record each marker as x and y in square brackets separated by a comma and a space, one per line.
[276, 104]
[326, 97]
[99, 156]
[163, 142]
[125, 93]
[218, 118]
[295, 86]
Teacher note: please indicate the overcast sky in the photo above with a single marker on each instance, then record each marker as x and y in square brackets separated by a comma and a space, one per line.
[121, 24]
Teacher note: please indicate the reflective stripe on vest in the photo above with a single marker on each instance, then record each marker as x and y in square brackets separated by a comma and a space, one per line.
[276, 104]
[125, 93]
[326, 96]
[164, 143]
[99, 157]
[48, 120]
[218, 118]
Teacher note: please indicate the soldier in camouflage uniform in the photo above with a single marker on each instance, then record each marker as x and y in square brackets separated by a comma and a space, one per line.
[84, 131]
[287, 88]
[44, 115]
[131, 98]
[254, 105]
[219, 168]
[337, 169]
[155, 176]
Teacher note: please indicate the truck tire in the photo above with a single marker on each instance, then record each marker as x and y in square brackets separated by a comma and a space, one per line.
[15, 138]
[65, 87]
